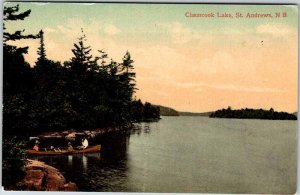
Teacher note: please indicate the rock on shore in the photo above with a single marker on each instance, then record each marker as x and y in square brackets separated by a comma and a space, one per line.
[42, 177]
[72, 133]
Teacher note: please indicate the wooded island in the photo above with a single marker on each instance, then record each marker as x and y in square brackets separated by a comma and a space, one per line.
[248, 113]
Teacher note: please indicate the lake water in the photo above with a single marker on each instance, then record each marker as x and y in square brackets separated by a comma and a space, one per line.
[190, 154]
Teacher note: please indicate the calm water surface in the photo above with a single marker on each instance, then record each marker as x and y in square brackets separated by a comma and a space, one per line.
[190, 154]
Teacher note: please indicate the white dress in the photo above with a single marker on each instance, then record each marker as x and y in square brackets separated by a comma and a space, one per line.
[85, 143]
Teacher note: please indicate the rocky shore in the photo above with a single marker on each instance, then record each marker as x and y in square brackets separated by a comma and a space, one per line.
[42, 177]
[72, 133]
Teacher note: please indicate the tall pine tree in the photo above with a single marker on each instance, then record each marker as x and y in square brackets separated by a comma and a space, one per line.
[17, 77]
[17, 84]
[78, 82]
[41, 50]
[82, 58]
[15, 69]
[12, 14]
[128, 75]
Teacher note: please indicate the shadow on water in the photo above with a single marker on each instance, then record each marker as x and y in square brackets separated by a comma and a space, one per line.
[188, 155]
[141, 127]
[104, 171]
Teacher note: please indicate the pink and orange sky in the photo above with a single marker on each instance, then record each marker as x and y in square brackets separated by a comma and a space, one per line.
[189, 64]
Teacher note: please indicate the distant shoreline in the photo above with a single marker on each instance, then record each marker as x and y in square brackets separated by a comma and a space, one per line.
[244, 113]
[249, 113]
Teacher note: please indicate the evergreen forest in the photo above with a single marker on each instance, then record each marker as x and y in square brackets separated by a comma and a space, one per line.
[249, 113]
[85, 92]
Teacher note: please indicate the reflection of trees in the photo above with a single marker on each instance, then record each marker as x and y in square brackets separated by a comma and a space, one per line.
[141, 127]
[146, 128]
[137, 129]
[92, 172]
[114, 148]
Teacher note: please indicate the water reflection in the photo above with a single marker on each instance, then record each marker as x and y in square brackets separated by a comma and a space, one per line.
[146, 128]
[107, 170]
[84, 163]
[142, 127]
[195, 155]
[104, 171]
[70, 160]
[137, 129]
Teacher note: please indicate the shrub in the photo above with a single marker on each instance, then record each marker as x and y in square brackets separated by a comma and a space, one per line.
[12, 161]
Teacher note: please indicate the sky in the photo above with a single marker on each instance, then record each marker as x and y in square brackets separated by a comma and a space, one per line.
[194, 64]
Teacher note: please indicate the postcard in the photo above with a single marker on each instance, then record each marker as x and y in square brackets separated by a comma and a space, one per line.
[147, 97]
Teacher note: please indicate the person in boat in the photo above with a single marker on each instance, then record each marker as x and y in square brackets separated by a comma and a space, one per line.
[84, 143]
[55, 149]
[36, 147]
[70, 147]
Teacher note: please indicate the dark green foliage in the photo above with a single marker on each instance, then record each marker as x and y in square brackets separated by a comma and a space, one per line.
[17, 82]
[11, 14]
[252, 114]
[144, 112]
[83, 93]
[81, 61]
[41, 50]
[151, 111]
[12, 163]
[17, 76]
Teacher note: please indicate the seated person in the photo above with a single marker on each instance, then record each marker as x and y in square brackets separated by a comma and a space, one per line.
[84, 143]
[70, 147]
[55, 149]
[36, 147]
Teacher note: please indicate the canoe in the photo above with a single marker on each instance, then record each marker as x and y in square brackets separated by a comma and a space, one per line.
[90, 149]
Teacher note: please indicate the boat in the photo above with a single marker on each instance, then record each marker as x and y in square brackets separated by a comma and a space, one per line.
[89, 149]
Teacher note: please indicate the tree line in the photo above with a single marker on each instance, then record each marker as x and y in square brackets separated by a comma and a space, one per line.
[145, 112]
[248, 113]
[84, 92]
